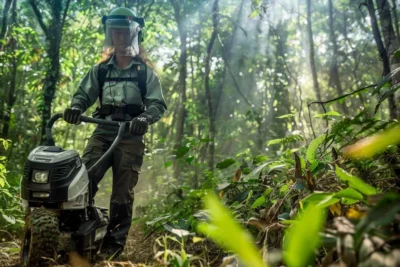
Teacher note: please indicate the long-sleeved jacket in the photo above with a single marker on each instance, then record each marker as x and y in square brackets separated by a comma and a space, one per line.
[121, 93]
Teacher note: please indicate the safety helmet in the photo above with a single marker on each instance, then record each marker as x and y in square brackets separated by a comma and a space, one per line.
[123, 32]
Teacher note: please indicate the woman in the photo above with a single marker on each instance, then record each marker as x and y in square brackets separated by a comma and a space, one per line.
[128, 90]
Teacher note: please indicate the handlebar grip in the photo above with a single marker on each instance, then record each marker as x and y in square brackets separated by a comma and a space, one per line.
[55, 117]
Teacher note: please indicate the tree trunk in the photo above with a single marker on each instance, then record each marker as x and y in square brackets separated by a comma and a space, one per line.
[4, 26]
[53, 73]
[334, 71]
[356, 58]
[211, 114]
[227, 54]
[391, 45]
[13, 83]
[396, 20]
[182, 80]
[3, 35]
[53, 34]
[382, 51]
[279, 90]
[312, 53]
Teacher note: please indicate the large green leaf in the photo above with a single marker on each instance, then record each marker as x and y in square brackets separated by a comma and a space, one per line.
[311, 153]
[168, 164]
[260, 158]
[302, 238]
[322, 200]
[180, 152]
[9, 219]
[225, 231]
[259, 202]
[373, 145]
[355, 182]
[349, 195]
[255, 13]
[226, 163]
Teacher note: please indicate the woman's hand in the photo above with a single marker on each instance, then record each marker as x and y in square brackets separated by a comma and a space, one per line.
[139, 125]
[73, 114]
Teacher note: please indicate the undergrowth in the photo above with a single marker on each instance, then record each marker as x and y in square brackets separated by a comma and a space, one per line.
[280, 201]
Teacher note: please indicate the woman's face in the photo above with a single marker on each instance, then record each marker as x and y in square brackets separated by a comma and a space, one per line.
[121, 38]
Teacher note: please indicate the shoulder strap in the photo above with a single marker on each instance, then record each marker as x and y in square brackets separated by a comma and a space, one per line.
[101, 76]
[142, 79]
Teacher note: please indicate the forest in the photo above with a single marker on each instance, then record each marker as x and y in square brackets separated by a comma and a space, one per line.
[280, 145]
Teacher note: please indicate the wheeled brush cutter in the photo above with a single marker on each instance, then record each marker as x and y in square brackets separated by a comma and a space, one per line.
[60, 211]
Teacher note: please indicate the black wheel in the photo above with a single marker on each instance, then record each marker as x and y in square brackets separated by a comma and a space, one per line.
[39, 244]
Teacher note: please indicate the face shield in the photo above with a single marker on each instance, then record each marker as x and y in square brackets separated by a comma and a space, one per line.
[121, 37]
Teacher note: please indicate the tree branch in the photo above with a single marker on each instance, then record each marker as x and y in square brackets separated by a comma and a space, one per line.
[148, 9]
[342, 96]
[65, 14]
[39, 16]
[215, 20]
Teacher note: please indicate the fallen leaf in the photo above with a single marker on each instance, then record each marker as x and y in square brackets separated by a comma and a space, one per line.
[336, 209]
[354, 213]
[310, 181]
[237, 176]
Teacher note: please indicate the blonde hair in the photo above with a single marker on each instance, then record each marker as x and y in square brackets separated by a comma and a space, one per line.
[143, 56]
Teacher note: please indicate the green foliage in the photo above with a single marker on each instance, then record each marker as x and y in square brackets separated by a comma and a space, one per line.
[255, 13]
[180, 152]
[373, 145]
[328, 115]
[171, 257]
[382, 214]
[228, 233]
[10, 210]
[307, 226]
[311, 154]
[286, 140]
[259, 91]
[226, 163]
[355, 182]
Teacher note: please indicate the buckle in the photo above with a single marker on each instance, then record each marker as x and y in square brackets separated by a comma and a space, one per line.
[118, 114]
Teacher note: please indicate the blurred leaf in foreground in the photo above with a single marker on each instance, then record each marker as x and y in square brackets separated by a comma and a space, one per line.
[302, 238]
[355, 182]
[372, 145]
[225, 231]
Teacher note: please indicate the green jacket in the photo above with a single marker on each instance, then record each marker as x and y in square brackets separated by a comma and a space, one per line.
[120, 93]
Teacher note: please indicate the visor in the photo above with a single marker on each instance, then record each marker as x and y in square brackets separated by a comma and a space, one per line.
[121, 37]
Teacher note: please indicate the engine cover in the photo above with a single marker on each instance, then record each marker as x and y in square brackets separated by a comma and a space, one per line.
[67, 176]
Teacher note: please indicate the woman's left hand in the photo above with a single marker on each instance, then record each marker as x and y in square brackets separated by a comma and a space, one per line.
[139, 125]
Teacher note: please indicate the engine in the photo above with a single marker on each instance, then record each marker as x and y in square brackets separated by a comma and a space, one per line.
[55, 178]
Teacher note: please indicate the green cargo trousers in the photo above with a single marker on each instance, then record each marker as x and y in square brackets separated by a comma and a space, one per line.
[126, 162]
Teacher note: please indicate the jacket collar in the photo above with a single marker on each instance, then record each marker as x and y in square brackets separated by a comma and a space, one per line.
[133, 62]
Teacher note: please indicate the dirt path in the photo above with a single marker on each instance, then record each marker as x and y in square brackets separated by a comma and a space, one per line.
[138, 252]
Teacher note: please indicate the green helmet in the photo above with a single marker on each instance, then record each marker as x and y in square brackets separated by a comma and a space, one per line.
[123, 18]
[122, 11]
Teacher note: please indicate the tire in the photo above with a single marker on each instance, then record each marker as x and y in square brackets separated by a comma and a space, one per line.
[40, 240]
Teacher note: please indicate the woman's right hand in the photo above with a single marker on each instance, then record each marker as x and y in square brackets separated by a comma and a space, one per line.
[72, 115]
